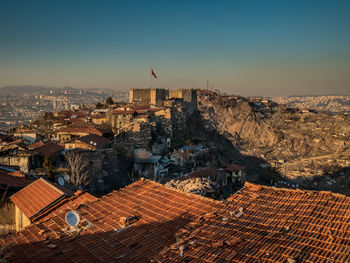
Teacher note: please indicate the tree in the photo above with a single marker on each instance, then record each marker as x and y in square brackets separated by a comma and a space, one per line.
[48, 167]
[109, 101]
[48, 116]
[99, 105]
[77, 169]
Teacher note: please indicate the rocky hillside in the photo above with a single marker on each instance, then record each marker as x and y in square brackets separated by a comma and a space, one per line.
[299, 144]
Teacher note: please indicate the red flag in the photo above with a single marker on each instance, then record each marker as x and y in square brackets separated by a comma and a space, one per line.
[153, 74]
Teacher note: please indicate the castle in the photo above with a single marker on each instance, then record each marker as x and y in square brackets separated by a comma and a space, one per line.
[158, 96]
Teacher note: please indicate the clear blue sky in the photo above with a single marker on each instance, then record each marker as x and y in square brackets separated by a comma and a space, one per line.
[245, 47]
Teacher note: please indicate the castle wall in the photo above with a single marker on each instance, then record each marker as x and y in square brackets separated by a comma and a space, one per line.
[158, 96]
[140, 96]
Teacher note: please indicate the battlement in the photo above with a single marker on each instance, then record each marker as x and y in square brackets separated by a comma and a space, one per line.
[158, 96]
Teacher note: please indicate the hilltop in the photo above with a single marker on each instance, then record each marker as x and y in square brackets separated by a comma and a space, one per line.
[305, 146]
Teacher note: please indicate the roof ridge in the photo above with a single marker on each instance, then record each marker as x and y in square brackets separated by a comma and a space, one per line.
[52, 186]
[249, 185]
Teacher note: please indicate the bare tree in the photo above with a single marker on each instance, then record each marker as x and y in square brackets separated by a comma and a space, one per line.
[78, 170]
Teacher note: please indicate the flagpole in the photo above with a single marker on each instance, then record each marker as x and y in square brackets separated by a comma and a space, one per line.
[151, 78]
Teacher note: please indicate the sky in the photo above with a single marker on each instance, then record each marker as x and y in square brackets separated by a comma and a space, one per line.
[241, 47]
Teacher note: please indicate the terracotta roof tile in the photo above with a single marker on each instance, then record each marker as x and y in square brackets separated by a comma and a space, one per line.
[38, 196]
[35, 145]
[49, 149]
[269, 224]
[97, 141]
[82, 129]
[10, 179]
[154, 211]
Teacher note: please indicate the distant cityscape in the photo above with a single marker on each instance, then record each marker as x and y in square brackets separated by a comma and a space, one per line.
[23, 105]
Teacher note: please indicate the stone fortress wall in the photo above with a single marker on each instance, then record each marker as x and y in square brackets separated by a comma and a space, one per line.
[158, 96]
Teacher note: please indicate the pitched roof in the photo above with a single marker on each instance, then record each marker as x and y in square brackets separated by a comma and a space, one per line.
[38, 197]
[49, 149]
[94, 140]
[82, 129]
[267, 224]
[65, 204]
[35, 145]
[129, 225]
[10, 179]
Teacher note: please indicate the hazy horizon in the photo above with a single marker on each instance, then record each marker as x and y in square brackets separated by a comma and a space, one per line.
[268, 48]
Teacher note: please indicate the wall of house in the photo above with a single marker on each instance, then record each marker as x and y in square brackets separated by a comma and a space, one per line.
[22, 161]
[7, 218]
[21, 220]
[78, 145]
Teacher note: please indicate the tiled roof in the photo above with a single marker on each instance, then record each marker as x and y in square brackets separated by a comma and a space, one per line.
[35, 145]
[10, 179]
[94, 140]
[65, 204]
[38, 197]
[267, 224]
[49, 149]
[82, 129]
[129, 225]
[123, 112]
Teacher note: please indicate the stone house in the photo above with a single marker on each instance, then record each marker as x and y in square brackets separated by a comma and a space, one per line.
[89, 142]
[11, 181]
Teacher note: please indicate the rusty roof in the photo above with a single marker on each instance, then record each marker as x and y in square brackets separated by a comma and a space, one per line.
[129, 225]
[35, 145]
[94, 140]
[65, 204]
[12, 179]
[38, 197]
[81, 129]
[49, 149]
[268, 224]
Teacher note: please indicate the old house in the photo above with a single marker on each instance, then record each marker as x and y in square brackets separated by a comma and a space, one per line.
[190, 156]
[235, 173]
[146, 164]
[130, 225]
[89, 142]
[11, 181]
[35, 199]
[18, 155]
[50, 150]
[149, 222]
[30, 135]
[66, 134]
[105, 170]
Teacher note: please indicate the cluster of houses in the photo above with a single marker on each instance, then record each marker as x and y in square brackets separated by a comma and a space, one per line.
[113, 146]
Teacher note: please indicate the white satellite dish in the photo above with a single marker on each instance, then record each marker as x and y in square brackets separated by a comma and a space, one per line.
[61, 181]
[72, 218]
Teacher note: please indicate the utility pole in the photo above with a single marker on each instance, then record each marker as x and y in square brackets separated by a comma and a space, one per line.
[207, 84]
